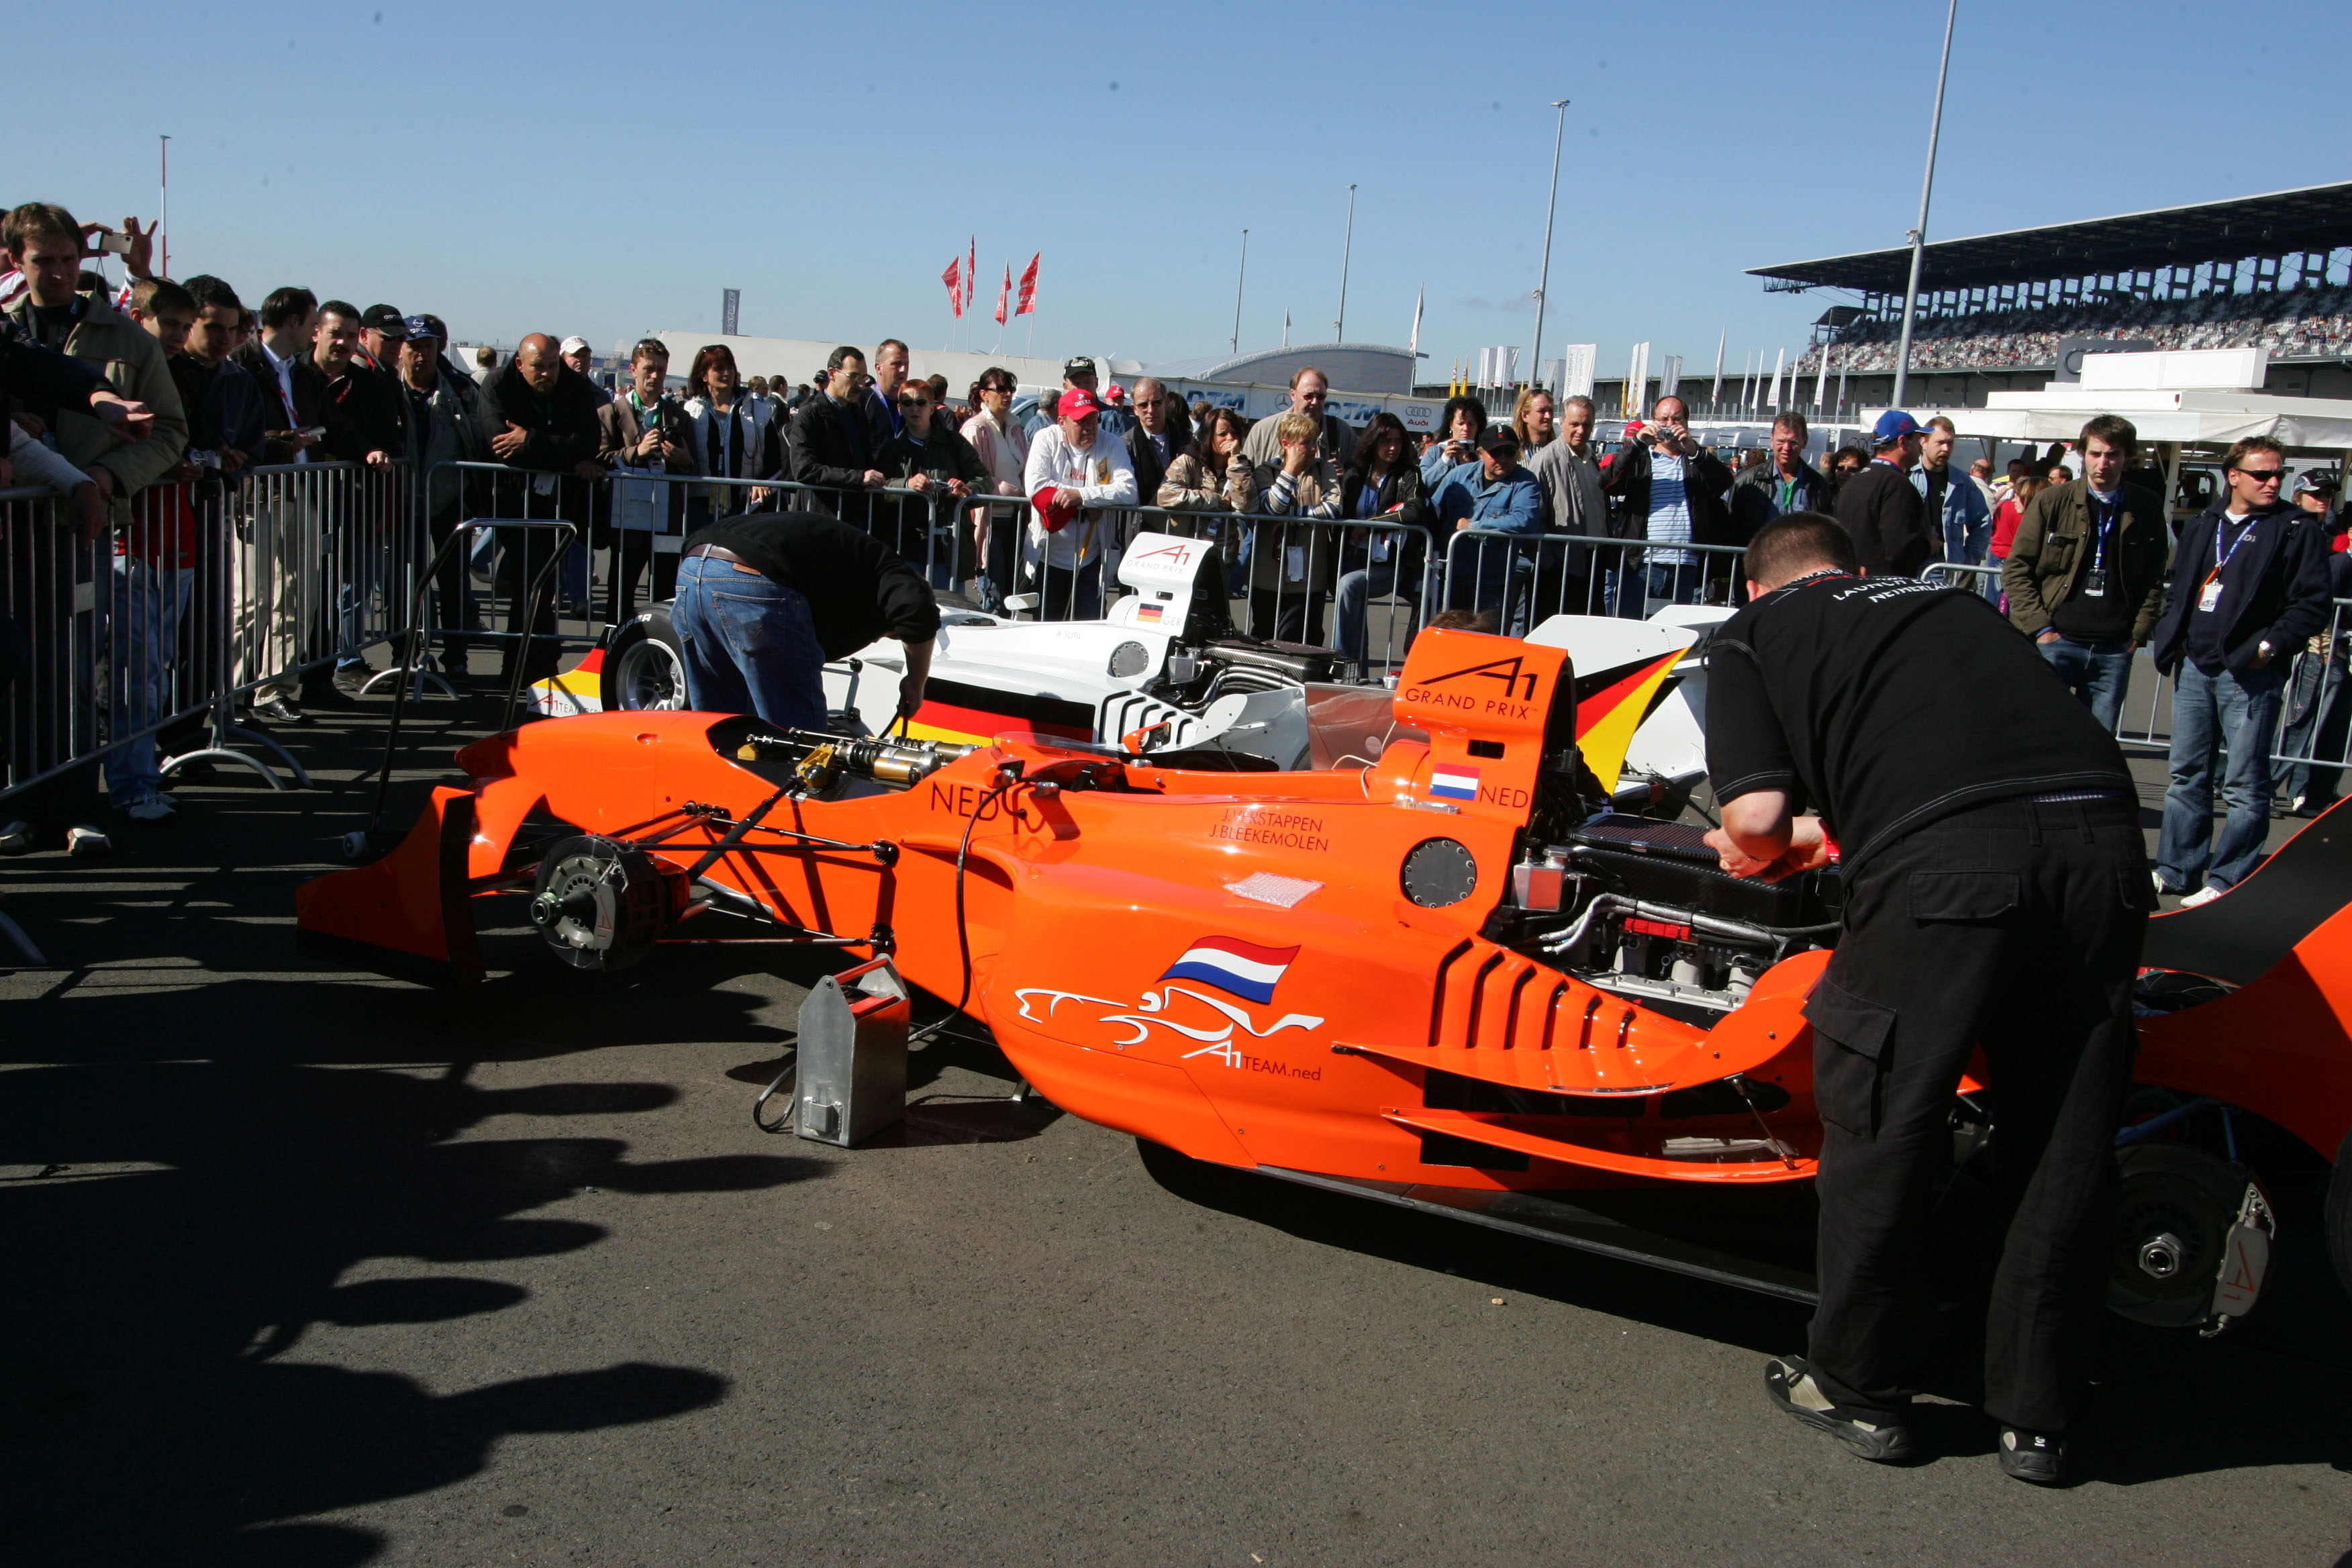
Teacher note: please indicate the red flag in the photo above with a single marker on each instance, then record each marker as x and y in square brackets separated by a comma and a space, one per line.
[1005, 295]
[971, 272]
[953, 279]
[1029, 285]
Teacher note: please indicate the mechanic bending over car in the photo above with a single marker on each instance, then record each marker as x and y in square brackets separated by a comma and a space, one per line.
[765, 598]
[1996, 893]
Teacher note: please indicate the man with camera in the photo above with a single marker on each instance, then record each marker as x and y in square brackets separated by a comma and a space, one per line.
[1672, 490]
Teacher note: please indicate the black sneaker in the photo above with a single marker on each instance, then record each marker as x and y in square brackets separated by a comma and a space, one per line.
[279, 711]
[1792, 1389]
[2035, 1457]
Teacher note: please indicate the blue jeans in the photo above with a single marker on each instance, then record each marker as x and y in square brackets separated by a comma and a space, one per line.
[2319, 716]
[1964, 545]
[2239, 710]
[1358, 588]
[1677, 584]
[2097, 673]
[148, 603]
[574, 573]
[751, 647]
[1498, 577]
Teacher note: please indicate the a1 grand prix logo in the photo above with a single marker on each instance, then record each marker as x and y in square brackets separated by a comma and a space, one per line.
[1514, 699]
[1239, 969]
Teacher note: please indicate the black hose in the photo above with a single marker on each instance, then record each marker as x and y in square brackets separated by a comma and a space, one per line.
[963, 934]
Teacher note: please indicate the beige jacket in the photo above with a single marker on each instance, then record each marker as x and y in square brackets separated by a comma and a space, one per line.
[1190, 486]
[132, 364]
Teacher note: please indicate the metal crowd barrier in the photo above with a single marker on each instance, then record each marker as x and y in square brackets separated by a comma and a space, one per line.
[1358, 587]
[148, 636]
[1521, 579]
[1355, 585]
[215, 597]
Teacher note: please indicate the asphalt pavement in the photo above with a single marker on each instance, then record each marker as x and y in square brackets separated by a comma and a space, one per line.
[308, 1267]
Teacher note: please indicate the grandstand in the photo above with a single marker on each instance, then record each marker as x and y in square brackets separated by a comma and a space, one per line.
[2273, 271]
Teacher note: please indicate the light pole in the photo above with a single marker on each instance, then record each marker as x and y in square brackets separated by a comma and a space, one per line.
[1551, 206]
[1340, 327]
[1919, 235]
[163, 206]
[1238, 279]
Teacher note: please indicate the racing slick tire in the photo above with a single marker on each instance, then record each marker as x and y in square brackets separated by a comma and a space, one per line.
[645, 664]
[2338, 1222]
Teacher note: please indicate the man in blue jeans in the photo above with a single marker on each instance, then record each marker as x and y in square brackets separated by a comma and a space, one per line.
[766, 598]
[2085, 572]
[1493, 494]
[2249, 586]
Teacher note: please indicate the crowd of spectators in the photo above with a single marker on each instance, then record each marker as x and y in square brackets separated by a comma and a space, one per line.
[2295, 324]
[982, 499]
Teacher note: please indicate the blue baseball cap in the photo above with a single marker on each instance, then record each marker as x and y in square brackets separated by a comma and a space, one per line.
[1893, 425]
[421, 327]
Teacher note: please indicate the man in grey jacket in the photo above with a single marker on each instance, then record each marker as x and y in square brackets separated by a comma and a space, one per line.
[1309, 389]
[1569, 471]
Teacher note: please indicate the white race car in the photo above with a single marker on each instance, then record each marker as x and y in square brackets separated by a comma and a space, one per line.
[1163, 673]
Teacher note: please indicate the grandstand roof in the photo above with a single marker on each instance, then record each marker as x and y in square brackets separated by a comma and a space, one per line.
[2315, 218]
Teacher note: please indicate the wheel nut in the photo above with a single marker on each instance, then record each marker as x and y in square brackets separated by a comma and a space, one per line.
[2159, 1256]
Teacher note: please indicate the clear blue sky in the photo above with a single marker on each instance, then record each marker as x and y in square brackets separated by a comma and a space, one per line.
[607, 169]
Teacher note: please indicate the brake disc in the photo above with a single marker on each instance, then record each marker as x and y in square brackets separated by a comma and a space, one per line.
[2191, 1239]
[601, 904]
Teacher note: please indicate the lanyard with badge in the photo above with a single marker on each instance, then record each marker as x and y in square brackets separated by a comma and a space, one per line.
[2106, 518]
[2209, 593]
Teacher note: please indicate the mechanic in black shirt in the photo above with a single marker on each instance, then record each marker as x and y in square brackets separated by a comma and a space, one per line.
[1996, 893]
[765, 598]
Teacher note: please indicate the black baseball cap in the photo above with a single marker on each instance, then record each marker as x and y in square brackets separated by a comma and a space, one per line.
[1498, 439]
[386, 320]
[1080, 366]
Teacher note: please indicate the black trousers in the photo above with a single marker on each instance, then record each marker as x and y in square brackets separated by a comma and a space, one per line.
[2016, 925]
[1293, 615]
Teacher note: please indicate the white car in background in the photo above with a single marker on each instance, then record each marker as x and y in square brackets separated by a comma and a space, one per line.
[1164, 674]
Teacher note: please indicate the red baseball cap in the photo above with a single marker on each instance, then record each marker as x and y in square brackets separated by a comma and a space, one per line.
[1076, 403]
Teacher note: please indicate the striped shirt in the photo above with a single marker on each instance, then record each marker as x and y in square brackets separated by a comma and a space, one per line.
[1670, 512]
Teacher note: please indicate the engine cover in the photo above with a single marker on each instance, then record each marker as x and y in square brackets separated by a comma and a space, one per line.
[1670, 863]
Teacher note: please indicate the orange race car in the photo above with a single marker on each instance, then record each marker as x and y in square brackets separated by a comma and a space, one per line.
[1450, 979]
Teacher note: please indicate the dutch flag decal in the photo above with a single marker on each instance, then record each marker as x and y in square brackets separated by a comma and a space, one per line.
[1453, 781]
[1240, 968]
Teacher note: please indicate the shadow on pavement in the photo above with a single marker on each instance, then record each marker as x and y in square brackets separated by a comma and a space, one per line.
[154, 1409]
[2167, 1403]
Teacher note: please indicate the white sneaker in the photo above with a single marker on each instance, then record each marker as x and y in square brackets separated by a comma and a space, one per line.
[2204, 895]
[88, 841]
[2157, 877]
